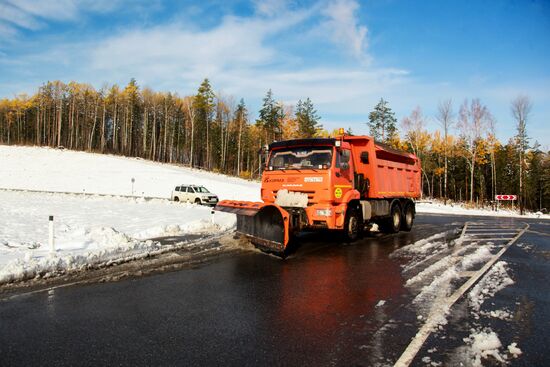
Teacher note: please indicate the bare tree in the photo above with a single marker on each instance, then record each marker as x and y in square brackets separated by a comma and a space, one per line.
[473, 120]
[415, 133]
[521, 108]
[445, 118]
[493, 143]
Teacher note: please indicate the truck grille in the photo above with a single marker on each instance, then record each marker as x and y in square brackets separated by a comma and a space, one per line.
[310, 195]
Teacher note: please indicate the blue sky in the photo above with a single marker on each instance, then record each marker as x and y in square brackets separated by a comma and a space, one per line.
[343, 54]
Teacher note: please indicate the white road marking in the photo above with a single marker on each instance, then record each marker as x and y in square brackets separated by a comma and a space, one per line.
[426, 329]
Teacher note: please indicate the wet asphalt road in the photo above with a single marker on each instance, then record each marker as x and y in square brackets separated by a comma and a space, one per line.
[318, 307]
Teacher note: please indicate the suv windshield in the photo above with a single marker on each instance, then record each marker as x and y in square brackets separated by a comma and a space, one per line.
[301, 158]
[201, 189]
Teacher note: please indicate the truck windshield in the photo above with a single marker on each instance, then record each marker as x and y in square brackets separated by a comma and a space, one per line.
[301, 158]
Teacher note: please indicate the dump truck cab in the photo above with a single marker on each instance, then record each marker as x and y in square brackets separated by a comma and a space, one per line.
[312, 179]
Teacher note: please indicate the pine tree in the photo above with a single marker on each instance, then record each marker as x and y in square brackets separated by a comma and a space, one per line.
[204, 106]
[307, 118]
[382, 122]
[271, 115]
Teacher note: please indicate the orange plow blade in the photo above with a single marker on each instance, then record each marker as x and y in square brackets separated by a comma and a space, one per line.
[265, 225]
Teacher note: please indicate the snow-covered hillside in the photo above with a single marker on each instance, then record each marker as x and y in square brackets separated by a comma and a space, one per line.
[46, 169]
[93, 229]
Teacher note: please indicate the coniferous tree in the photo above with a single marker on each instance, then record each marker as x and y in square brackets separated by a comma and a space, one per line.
[382, 122]
[204, 106]
[307, 119]
[271, 115]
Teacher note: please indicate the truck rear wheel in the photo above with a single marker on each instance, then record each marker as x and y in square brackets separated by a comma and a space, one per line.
[408, 217]
[393, 223]
[352, 225]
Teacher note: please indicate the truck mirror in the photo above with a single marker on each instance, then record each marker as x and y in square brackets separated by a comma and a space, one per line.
[344, 165]
[365, 157]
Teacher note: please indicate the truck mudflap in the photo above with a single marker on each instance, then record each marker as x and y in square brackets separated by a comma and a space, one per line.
[265, 225]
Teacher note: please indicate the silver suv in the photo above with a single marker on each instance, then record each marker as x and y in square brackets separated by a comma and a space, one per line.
[194, 194]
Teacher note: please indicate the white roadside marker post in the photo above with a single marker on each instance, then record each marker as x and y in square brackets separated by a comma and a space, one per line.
[133, 180]
[51, 235]
[212, 215]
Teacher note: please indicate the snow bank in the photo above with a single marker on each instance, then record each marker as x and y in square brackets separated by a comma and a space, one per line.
[437, 207]
[90, 230]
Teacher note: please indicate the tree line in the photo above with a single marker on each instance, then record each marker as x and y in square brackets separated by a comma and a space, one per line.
[471, 165]
[213, 131]
[207, 130]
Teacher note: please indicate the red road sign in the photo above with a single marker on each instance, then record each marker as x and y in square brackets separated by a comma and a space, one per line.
[506, 197]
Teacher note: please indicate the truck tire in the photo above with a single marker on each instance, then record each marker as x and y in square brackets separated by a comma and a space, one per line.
[352, 225]
[176, 199]
[198, 201]
[393, 223]
[408, 217]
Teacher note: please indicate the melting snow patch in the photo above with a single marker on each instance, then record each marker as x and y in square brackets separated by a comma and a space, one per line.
[426, 245]
[380, 303]
[514, 350]
[496, 279]
[484, 344]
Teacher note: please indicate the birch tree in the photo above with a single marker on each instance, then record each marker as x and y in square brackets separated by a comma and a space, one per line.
[445, 118]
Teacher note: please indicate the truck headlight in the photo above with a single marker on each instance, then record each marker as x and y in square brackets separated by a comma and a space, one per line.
[323, 212]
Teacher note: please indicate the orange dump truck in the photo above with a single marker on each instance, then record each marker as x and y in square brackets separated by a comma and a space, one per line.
[343, 183]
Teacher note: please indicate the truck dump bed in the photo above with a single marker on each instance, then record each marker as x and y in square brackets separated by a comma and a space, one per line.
[391, 173]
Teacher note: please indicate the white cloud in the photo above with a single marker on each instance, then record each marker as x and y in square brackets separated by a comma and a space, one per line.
[174, 51]
[270, 7]
[57, 10]
[344, 27]
[17, 17]
[34, 15]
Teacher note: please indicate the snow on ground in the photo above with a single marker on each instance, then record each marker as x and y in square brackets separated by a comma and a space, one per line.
[90, 230]
[437, 207]
[94, 229]
[484, 342]
[441, 260]
[47, 169]
[496, 279]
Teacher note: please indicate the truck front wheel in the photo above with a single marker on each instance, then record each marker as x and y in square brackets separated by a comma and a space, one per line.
[352, 225]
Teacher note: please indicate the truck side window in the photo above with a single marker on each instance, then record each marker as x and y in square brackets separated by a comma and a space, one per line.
[178, 188]
[342, 157]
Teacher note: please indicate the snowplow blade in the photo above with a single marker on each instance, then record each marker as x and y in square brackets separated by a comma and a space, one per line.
[265, 225]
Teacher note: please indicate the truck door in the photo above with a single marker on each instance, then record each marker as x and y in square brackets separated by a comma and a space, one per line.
[343, 173]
